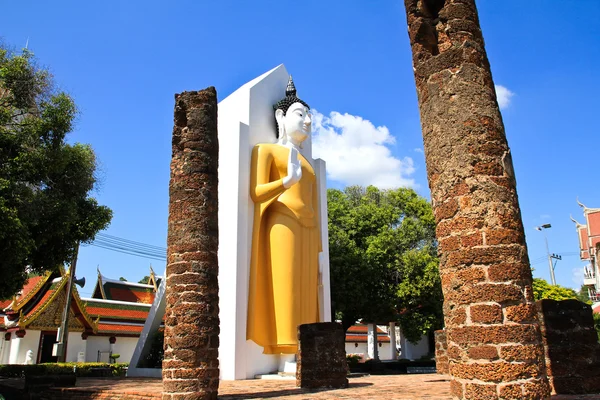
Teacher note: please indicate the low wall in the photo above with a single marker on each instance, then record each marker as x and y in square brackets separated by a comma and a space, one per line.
[571, 347]
[321, 359]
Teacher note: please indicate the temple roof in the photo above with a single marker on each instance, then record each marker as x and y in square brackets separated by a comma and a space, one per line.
[44, 309]
[122, 329]
[33, 285]
[111, 289]
[4, 304]
[363, 328]
[359, 334]
[117, 310]
[121, 308]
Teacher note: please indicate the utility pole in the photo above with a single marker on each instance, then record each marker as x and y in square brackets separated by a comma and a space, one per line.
[63, 333]
[550, 256]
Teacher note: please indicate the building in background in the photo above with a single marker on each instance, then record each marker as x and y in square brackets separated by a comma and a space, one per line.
[589, 250]
[108, 323]
[357, 342]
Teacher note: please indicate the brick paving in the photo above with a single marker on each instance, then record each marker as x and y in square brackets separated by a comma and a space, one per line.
[427, 386]
[376, 387]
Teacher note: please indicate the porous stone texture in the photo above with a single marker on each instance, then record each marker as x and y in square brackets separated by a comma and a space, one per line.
[190, 367]
[321, 358]
[484, 267]
[441, 352]
[571, 346]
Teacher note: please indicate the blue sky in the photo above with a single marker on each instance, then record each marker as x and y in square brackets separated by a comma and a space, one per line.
[124, 61]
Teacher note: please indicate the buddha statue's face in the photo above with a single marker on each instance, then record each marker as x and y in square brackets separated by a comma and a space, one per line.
[296, 122]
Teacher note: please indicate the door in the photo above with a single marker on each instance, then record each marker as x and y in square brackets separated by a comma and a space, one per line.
[47, 340]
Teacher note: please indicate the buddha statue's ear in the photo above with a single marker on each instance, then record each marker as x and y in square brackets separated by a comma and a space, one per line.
[279, 117]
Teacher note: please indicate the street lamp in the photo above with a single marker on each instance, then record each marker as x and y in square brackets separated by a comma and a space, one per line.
[550, 257]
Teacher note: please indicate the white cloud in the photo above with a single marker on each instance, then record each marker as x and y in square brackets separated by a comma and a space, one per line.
[357, 152]
[577, 277]
[504, 95]
[418, 150]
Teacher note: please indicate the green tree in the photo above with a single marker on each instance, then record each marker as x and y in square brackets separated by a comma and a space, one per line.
[543, 290]
[583, 295]
[144, 280]
[45, 209]
[383, 262]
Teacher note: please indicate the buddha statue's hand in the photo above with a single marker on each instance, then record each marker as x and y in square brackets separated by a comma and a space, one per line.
[294, 169]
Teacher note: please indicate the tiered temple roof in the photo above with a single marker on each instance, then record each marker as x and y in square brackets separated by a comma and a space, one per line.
[111, 289]
[117, 308]
[40, 304]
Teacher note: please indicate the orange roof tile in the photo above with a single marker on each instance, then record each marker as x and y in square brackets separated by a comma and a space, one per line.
[4, 304]
[30, 284]
[360, 328]
[118, 313]
[134, 296]
[120, 329]
[363, 338]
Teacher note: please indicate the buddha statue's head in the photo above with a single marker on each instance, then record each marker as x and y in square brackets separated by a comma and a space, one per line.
[292, 117]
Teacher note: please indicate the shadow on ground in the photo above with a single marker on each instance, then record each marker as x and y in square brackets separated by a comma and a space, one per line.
[288, 392]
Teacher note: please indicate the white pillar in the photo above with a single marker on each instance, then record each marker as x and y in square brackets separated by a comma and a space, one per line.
[392, 333]
[372, 349]
[4, 345]
[404, 346]
[6, 349]
[15, 347]
[80, 357]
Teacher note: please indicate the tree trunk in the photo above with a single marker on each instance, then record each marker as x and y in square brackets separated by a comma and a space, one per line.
[191, 366]
[494, 342]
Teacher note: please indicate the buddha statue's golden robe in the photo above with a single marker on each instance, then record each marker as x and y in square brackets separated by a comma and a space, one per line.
[286, 242]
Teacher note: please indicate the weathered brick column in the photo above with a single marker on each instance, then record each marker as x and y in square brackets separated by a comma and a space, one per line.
[190, 366]
[571, 346]
[494, 343]
[441, 352]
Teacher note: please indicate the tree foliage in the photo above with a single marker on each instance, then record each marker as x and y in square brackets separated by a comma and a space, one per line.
[383, 262]
[45, 209]
[583, 295]
[145, 280]
[543, 290]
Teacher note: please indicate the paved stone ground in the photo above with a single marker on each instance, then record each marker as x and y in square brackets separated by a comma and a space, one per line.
[429, 386]
[376, 387]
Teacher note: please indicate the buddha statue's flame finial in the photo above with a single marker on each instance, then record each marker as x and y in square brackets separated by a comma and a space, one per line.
[290, 89]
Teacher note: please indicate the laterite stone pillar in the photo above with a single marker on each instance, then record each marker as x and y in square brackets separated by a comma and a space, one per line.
[494, 342]
[190, 365]
[441, 352]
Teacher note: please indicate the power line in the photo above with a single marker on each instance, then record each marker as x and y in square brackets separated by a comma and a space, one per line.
[140, 244]
[144, 250]
[126, 246]
[542, 259]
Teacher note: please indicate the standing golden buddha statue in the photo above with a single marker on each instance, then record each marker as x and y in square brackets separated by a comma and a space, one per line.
[286, 240]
